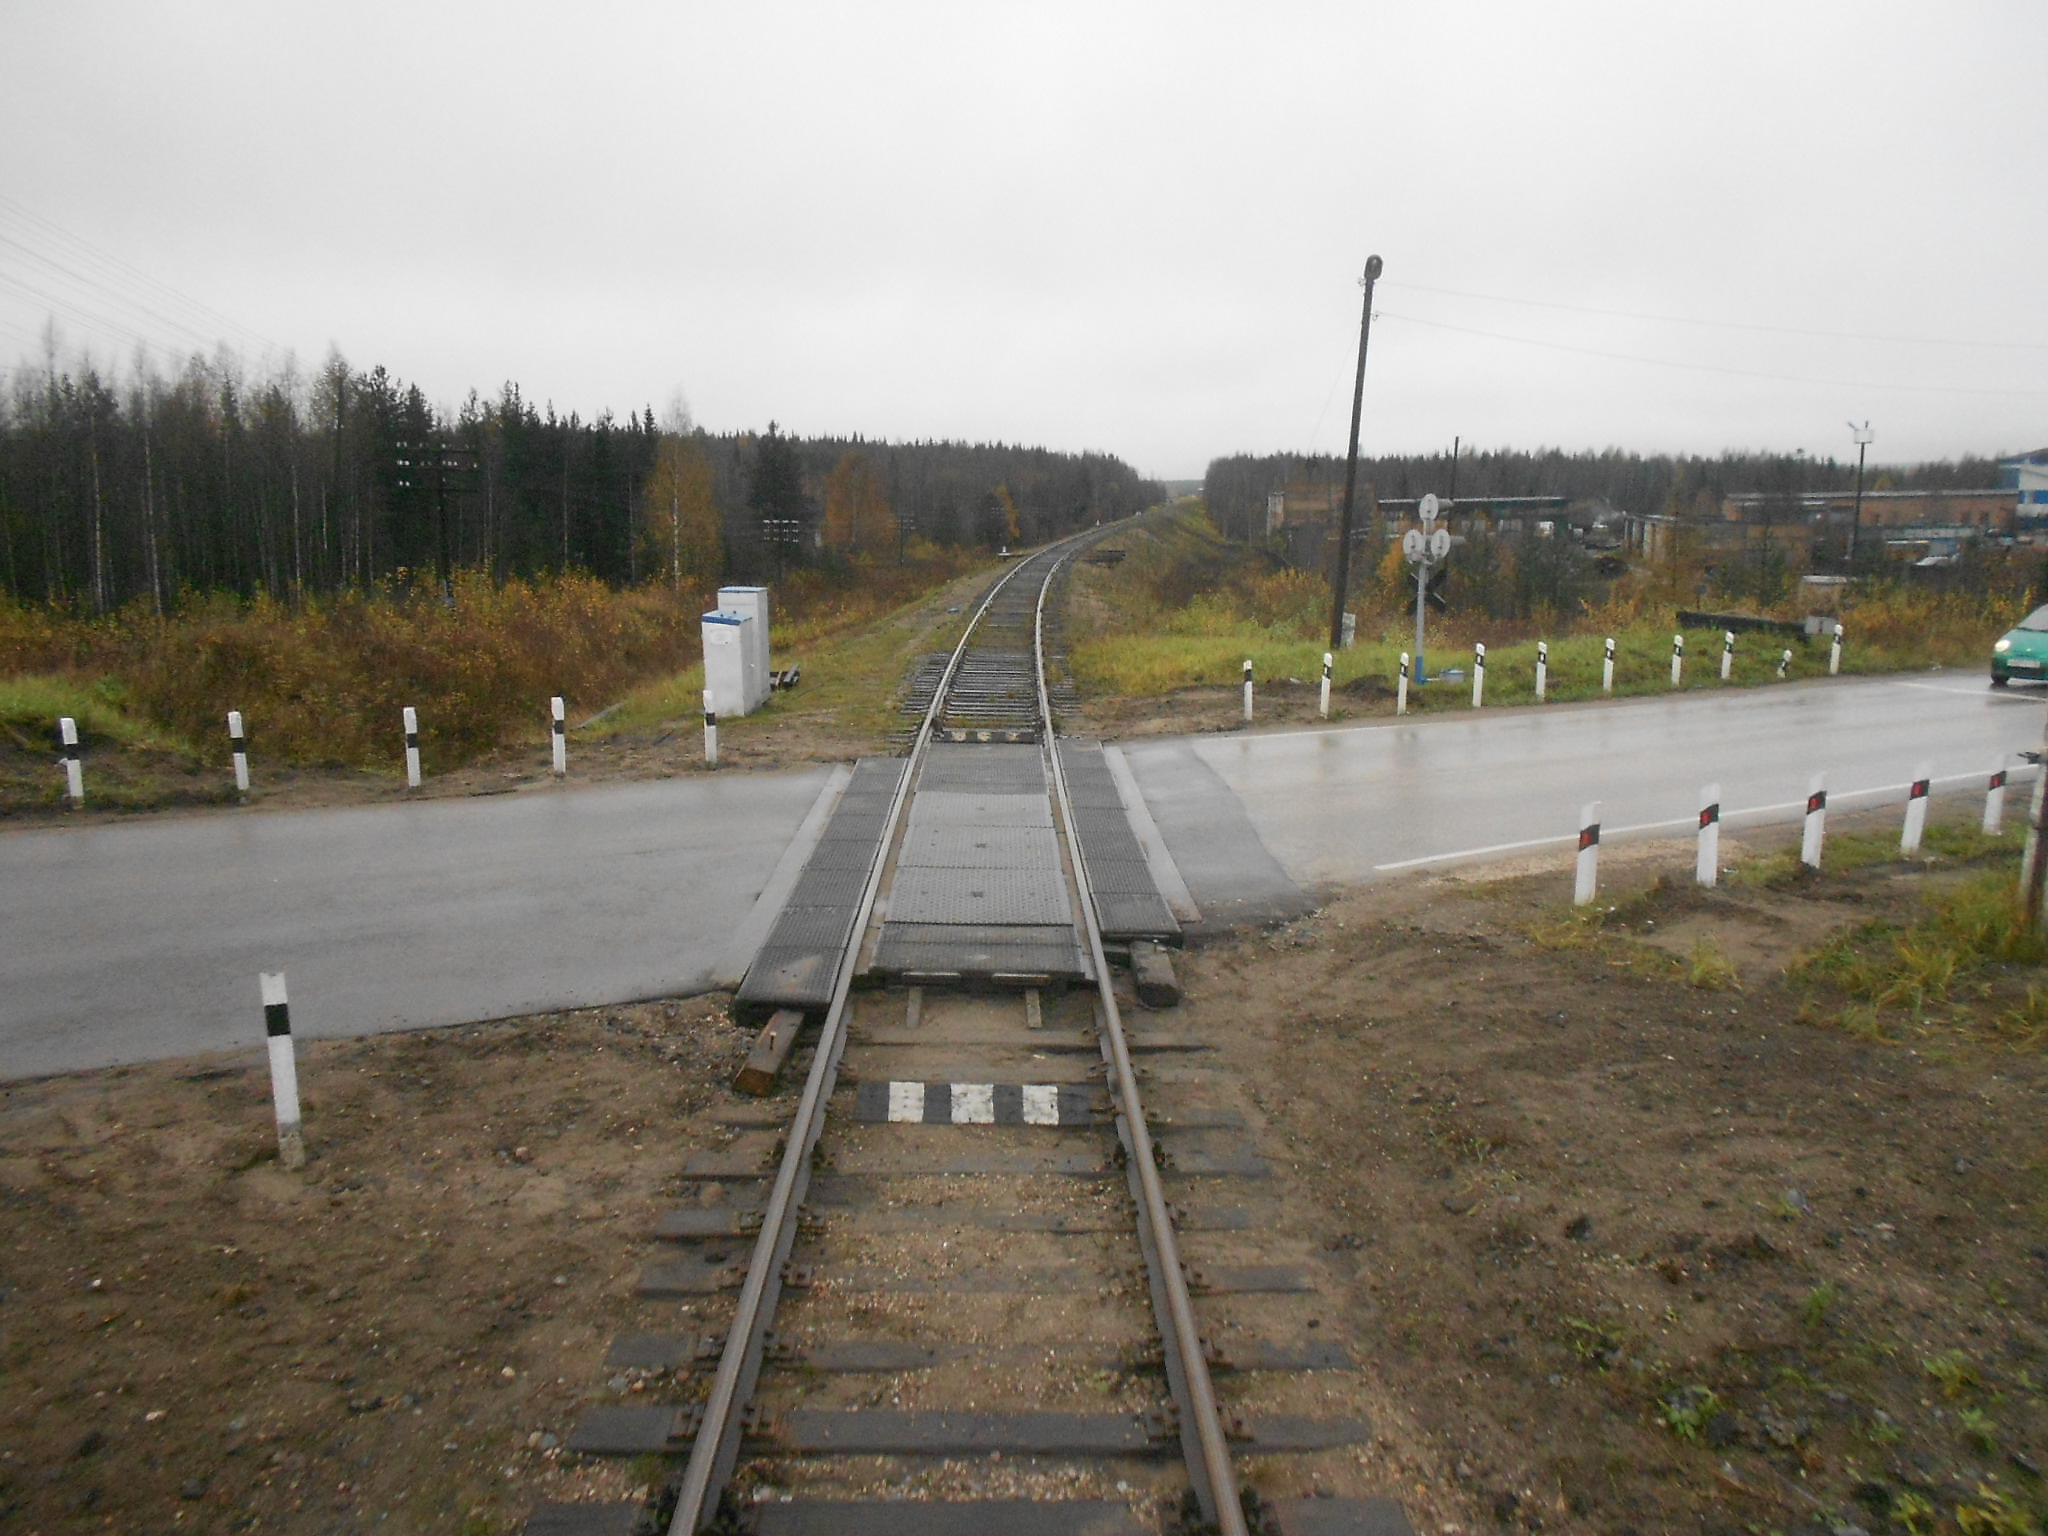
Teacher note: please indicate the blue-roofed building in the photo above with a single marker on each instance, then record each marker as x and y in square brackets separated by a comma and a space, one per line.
[2028, 475]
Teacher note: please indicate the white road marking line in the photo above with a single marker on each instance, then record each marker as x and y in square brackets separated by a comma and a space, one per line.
[906, 1102]
[1041, 1104]
[974, 1104]
[1988, 694]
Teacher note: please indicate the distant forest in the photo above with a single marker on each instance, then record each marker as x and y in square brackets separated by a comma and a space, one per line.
[1236, 487]
[119, 490]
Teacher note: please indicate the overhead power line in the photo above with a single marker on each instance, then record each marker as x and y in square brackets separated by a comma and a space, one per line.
[1739, 373]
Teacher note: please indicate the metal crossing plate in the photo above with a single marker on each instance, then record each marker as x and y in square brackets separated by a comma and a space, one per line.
[892, 1432]
[959, 847]
[1009, 1517]
[925, 894]
[1135, 917]
[583, 1520]
[960, 950]
[797, 977]
[817, 887]
[1109, 876]
[954, 808]
[998, 769]
[820, 928]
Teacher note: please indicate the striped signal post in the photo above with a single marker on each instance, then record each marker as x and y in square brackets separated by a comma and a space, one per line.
[1677, 659]
[1542, 669]
[1835, 653]
[1994, 802]
[1785, 664]
[1326, 684]
[561, 740]
[1916, 810]
[412, 747]
[1727, 653]
[1247, 690]
[1706, 867]
[1478, 676]
[1607, 668]
[710, 729]
[284, 1071]
[74, 770]
[1401, 693]
[1815, 830]
[1589, 855]
[238, 744]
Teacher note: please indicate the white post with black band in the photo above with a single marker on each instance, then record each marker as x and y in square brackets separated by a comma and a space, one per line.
[1327, 659]
[710, 729]
[412, 747]
[1816, 822]
[1401, 693]
[1994, 802]
[284, 1071]
[1247, 690]
[1542, 669]
[74, 770]
[1835, 653]
[561, 740]
[1607, 668]
[1727, 653]
[1677, 660]
[1589, 855]
[1916, 810]
[1785, 664]
[1478, 676]
[1707, 865]
[238, 744]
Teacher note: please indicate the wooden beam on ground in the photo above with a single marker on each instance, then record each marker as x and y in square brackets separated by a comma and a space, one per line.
[771, 1049]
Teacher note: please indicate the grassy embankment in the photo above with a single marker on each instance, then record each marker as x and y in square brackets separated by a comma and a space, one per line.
[321, 682]
[1186, 607]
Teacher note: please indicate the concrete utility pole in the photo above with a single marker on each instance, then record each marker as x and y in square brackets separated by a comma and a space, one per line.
[1861, 437]
[1342, 580]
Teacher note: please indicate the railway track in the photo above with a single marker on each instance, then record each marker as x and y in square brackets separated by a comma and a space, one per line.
[944, 1287]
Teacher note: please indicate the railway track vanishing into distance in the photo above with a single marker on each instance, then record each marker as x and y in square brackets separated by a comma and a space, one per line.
[944, 1291]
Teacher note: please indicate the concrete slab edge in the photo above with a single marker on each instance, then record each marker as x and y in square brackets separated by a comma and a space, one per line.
[1165, 873]
[754, 928]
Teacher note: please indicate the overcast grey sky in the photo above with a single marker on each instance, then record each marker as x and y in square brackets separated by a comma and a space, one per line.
[1133, 228]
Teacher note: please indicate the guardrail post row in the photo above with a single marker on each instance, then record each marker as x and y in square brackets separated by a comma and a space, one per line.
[710, 729]
[1785, 664]
[1835, 653]
[1707, 864]
[1326, 684]
[238, 745]
[1478, 676]
[1916, 810]
[561, 740]
[284, 1071]
[1727, 653]
[1994, 802]
[1589, 855]
[74, 770]
[1815, 830]
[1607, 668]
[1401, 692]
[1542, 668]
[1677, 659]
[412, 747]
[1247, 690]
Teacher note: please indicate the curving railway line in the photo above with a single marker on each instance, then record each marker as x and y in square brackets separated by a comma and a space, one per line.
[945, 1285]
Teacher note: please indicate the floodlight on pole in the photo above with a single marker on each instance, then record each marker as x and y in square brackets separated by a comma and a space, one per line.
[1861, 437]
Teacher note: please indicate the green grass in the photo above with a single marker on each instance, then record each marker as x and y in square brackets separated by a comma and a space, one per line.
[31, 706]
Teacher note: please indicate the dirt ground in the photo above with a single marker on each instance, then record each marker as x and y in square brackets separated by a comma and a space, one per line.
[1633, 1243]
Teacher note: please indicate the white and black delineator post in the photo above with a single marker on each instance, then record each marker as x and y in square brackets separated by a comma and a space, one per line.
[238, 743]
[1542, 668]
[1727, 653]
[1327, 659]
[284, 1071]
[1994, 802]
[1677, 659]
[1607, 668]
[1247, 690]
[412, 747]
[1916, 810]
[1835, 653]
[1401, 692]
[561, 739]
[1706, 868]
[710, 729]
[74, 770]
[1589, 855]
[1478, 676]
[1785, 664]
[1815, 832]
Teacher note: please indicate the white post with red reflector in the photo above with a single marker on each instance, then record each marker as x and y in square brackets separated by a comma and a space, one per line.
[1589, 855]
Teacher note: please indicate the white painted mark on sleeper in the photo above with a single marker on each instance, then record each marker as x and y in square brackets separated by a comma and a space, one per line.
[974, 1104]
[906, 1102]
[1041, 1104]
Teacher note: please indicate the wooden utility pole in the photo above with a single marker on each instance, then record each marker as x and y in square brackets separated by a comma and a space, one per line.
[1342, 580]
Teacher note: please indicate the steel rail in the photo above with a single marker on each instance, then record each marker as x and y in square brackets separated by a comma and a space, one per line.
[1214, 1479]
[715, 1450]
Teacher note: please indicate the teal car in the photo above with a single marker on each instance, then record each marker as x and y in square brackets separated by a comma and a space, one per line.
[2022, 652]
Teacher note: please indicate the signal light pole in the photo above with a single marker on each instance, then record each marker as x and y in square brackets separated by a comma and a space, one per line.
[1342, 580]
